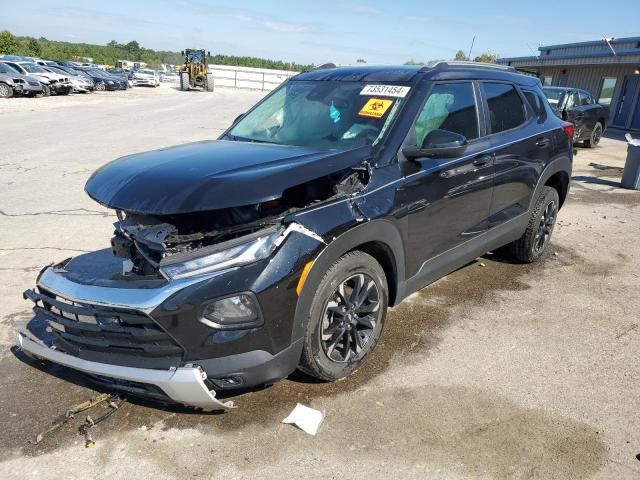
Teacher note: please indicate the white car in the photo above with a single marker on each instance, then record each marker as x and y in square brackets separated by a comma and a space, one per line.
[169, 77]
[146, 77]
[80, 82]
[54, 82]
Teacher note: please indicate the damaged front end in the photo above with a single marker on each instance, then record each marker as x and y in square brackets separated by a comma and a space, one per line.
[185, 303]
[178, 245]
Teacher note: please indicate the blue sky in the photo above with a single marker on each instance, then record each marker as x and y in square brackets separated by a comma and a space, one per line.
[330, 30]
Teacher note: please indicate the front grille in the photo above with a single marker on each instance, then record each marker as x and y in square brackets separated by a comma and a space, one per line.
[90, 331]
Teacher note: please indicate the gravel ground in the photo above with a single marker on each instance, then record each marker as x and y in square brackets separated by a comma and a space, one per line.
[496, 371]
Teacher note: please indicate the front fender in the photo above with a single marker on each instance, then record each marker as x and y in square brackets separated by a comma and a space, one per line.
[382, 231]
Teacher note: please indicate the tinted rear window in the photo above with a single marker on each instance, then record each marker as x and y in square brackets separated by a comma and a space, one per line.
[506, 109]
[536, 102]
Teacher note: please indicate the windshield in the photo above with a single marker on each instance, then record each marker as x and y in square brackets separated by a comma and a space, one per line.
[33, 68]
[4, 68]
[195, 56]
[322, 114]
[147, 72]
[554, 96]
[58, 70]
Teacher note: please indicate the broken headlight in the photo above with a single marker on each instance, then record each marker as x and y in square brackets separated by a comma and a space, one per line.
[258, 248]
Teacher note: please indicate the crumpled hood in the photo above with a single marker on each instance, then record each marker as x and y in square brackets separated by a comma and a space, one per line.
[211, 175]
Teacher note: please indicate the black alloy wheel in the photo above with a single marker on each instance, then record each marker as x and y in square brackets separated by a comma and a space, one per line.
[348, 307]
[596, 135]
[350, 318]
[542, 219]
[545, 227]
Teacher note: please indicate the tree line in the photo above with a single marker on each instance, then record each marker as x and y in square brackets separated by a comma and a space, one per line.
[486, 57]
[111, 52]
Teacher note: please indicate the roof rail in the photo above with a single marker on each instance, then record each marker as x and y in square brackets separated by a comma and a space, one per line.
[459, 63]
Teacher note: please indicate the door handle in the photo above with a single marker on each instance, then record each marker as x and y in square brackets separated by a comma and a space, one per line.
[543, 142]
[483, 160]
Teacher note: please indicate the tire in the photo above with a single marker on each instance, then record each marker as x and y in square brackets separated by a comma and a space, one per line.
[46, 91]
[100, 87]
[594, 138]
[532, 245]
[184, 81]
[5, 91]
[341, 332]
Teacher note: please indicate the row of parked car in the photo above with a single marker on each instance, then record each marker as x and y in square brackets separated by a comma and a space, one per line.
[37, 77]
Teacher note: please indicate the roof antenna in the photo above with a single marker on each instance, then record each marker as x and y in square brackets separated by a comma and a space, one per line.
[471, 48]
[609, 40]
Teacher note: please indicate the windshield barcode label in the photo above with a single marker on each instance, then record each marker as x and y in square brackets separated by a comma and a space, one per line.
[386, 90]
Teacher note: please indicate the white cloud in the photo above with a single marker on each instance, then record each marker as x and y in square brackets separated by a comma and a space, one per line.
[283, 27]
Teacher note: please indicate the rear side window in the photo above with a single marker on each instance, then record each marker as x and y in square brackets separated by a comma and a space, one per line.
[537, 104]
[450, 106]
[506, 108]
[573, 100]
[585, 98]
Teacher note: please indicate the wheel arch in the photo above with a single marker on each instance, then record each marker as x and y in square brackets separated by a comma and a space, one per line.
[560, 182]
[557, 174]
[379, 238]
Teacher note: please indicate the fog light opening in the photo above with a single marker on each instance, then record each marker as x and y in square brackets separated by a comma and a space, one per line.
[237, 311]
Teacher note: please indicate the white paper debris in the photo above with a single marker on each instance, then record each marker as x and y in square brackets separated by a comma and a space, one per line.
[306, 418]
[631, 140]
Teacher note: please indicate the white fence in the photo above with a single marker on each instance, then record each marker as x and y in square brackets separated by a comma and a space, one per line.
[247, 77]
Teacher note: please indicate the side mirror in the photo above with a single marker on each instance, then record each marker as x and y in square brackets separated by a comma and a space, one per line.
[182, 53]
[208, 54]
[438, 143]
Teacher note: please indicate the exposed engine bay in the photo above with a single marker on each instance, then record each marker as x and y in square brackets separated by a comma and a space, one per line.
[149, 240]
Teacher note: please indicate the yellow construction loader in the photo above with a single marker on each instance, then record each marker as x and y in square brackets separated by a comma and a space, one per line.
[194, 73]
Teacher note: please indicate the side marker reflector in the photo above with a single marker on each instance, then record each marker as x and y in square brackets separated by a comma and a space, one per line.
[303, 277]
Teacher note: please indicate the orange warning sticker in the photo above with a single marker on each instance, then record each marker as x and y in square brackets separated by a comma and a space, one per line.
[375, 107]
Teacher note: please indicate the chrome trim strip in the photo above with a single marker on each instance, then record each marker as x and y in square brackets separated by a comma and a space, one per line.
[183, 385]
[142, 299]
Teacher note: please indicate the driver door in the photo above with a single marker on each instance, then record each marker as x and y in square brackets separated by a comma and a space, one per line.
[449, 199]
[575, 112]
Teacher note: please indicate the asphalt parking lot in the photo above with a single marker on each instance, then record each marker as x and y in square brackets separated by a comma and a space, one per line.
[496, 371]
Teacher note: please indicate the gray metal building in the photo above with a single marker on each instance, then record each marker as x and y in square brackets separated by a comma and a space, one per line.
[610, 70]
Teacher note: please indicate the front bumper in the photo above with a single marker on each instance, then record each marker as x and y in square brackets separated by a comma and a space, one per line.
[28, 88]
[184, 385]
[82, 87]
[144, 81]
[62, 88]
[93, 318]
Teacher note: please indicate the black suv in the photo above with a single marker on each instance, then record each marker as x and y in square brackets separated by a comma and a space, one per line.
[281, 245]
[588, 117]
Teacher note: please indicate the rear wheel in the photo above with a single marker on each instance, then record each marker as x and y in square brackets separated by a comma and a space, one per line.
[596, 134]
[346, 317]
[5, 91]
[532, 245]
